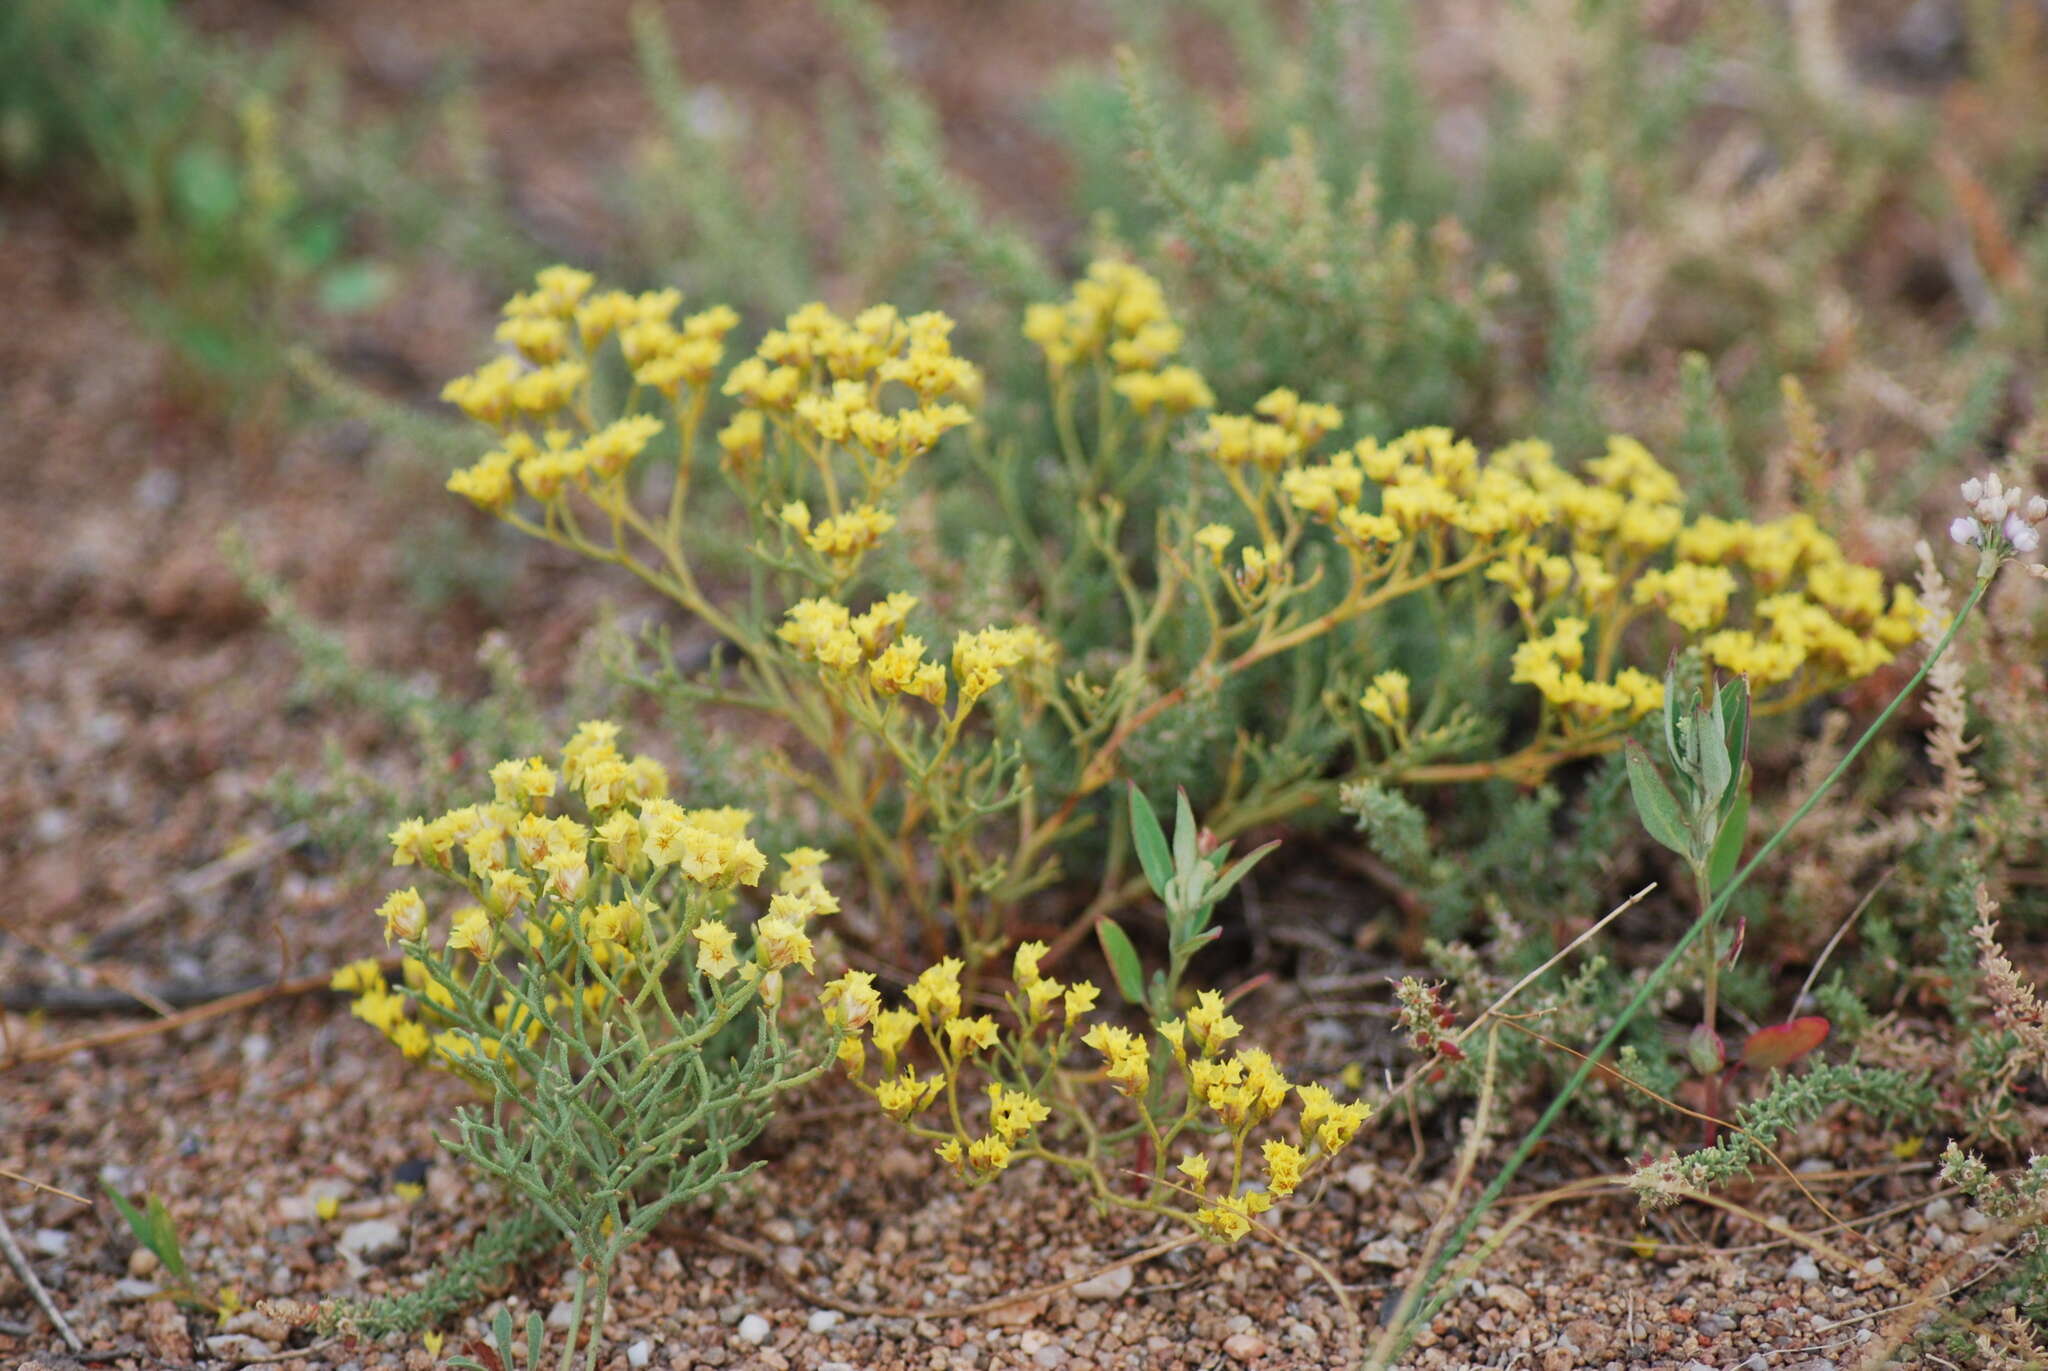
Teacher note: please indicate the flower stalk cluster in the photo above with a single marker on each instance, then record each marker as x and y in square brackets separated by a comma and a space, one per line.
[1269, 534]
[594, 980]
[1196, 1126]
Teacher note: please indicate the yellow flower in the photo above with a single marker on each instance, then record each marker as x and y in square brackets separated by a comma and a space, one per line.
[488, 484]
[779, 942]
[987, 1156]
[935, 994]
[522, 781]
[1080, 999]
[1210, 1025]
[1012, 1113]
[892, 1030]
[359, 977]
[904, 1096]
[411, 1038]
[472, 933]
[1024, 966]
[1226, 1220]
[741, 440]
[1129, 1067]
[851, 1001]
[1195, 1167]
[1386, 699]
[612, 448]
[980, 659]
[968, 1035]
[714, 949]
[404, 914]
[1284, 1166]
[1216, 538]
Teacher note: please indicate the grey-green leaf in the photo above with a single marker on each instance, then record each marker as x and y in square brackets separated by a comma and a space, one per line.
[1123, 960]
[1728, 843]
[1186, 834]
[1229, 879]
[1654, 802]
[1150, 840]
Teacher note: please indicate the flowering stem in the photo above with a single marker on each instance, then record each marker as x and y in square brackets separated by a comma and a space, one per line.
[1435, 1300]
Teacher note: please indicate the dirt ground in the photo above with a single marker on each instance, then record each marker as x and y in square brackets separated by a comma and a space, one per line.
[145, 707]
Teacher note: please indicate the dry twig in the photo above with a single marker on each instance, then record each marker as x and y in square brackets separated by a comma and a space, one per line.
[16, 1259]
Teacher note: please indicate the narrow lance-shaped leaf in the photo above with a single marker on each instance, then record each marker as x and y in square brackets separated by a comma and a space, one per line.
[1728, 842]
[1655, 805]
[1736, 736]
[1186, 835]
[1227, 882]
[1717, 773]
[1123, 960]
[1150, 840]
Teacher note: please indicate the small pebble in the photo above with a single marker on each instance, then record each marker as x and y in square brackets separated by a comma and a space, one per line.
[754, 1329]
[1803, 1269]
[640, 1353]
[1385, 1252]
[237, 1348]
[1975, 1221]
[51, 1242]
[370, 1240]
[562, 1314]
[824, 1320]
[1244, 1347]
[1110, 1285]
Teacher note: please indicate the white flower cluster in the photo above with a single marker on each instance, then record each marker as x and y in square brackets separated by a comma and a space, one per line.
[1999, 511]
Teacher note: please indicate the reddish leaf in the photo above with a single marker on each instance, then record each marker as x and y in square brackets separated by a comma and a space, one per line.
[1785, 1043]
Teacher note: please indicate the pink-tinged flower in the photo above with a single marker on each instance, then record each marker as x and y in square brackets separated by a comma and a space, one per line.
[1965, 531]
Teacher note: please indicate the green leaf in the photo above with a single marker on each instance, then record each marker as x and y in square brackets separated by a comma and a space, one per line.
[1186, 834]
[1728, 842]
[1735, 713]
[1123, 960]
[1150, 840]
[1715, 773]
[154, 1228]
[1654, 803]
[1229, 879]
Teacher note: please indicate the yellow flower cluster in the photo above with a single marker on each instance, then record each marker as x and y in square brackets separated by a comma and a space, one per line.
[828, 633]
[830, 373]
[611, 893]
[821, 380]
[1552, 664]
[1118, 314]
[1226, 1096]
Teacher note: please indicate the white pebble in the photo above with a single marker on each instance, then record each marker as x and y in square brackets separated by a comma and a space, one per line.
[754, 1328]
[824, 1320]
[51, 1242]
[1803, 1269]
[1110, 1285]
[640, 1353]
